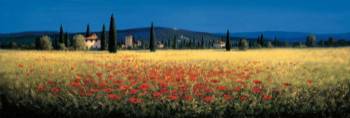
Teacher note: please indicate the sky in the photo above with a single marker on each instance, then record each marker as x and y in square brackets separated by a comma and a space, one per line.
[313, 16]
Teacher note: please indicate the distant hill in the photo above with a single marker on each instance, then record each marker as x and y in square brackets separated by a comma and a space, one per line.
[292, 36]
[163, 33]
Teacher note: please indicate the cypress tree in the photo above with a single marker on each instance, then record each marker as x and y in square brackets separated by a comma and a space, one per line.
[228, 42]
[202, 42]
[152, 39]
[103, 37]
[112, 44]
[87, 31]
[66, 40]
[174, 42]
[61, 37]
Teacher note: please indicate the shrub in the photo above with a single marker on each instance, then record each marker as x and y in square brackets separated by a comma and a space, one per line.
[43, 43]
[79, 42]
[243, 44]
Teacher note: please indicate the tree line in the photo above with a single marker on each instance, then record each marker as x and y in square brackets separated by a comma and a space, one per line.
[109, 42]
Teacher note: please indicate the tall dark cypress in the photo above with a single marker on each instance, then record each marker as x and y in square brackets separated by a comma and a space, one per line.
[228, 42]
[66, 40]
[61, 37]
[103, 37]
[174, 42]
[202, 43]
[87, 30]
[112, 43]
[152, 40]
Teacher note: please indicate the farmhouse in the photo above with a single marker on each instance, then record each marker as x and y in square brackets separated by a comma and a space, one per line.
[92, 42]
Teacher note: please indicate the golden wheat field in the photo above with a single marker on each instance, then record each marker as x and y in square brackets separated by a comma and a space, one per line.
[177, 83]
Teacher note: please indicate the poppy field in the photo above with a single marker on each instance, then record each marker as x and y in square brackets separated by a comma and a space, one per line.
[173, 83]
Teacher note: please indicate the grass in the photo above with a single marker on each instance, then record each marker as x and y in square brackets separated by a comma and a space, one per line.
[172, 83]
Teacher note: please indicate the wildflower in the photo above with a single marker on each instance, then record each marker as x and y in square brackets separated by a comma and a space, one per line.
[172, 97]
[133, 91]
[113, 97]
[144, 86]
[188, 98]
[309, 82]
[243, 98]
[99, 75]
[107, 90]
[256, 90]
[134, 100]
[55, 90]
[20, 65]
[221, 88]
[286, 84]
[157, 94]
[257, 81]
[208, 99]
[40, 88]
[237, 89]
[227, 97]
[267, 97]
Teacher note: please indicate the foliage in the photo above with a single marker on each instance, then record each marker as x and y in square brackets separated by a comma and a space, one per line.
[243, 44]
[311, 41]
[43, 43]
[152, 40]
[112, 42]
[79, 42]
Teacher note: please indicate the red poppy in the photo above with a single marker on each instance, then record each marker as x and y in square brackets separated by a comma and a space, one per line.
[134, 100]
[286, 84]
[40, 88]
[257, 81]
[172, 97]
[221, 88]
[144, 86]
[99, 75]
[227, 97]
[55, 90]
[20, 65]
[243, 98]
[309, 82]
[188, 98]
[113, 97]
[108, 90]
[133, 91]
[208, 99]
[267, 97]
[157, 94]
[256, 90]
[237, 89]
[75, 84]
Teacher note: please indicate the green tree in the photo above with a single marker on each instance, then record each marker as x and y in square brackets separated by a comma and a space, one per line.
[112, 42]
[79, 42]
[61, 37]
[103, 38]
[228, 42]
[311, 41]
[43, 43]
[152, 40]
[243, 44]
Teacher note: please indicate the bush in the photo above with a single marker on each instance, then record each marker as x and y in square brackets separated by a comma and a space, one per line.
[79, 42]
[62, 46]
[243, 44]
[43, 43]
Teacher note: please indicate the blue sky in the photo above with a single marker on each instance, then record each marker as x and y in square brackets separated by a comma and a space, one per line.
[316, 16]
